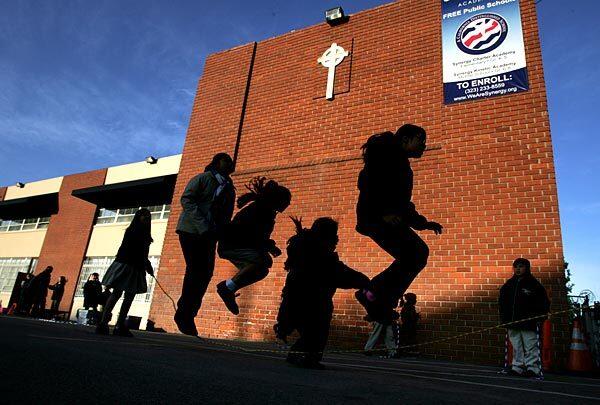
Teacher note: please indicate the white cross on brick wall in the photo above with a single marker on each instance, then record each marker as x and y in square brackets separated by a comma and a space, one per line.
[332, 57]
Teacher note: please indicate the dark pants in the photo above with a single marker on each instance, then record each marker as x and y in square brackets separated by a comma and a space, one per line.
[39, 305]
[90, 302]
[410, 253]
[199, 254]
[25, 302]
[54, 306]
[313, 339]
[112, 300]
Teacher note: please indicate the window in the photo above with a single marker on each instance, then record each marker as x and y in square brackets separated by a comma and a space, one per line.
[16, 225]
[9, 267]
[34, 263]
[125, 215]
[12, 225]
[160, 211]
[30, 223]
[106, 216]
[100, 265]
[43, 223]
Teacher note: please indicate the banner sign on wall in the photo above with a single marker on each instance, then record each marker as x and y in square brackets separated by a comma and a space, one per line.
[483, 49]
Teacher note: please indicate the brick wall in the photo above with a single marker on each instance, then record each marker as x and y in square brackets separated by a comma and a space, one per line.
[69, 232]
[2, 193]
[488, 178]
[213, 128]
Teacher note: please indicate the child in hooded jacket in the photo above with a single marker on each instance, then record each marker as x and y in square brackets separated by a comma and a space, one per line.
[315, 272]
[409, 317]
[523, 297]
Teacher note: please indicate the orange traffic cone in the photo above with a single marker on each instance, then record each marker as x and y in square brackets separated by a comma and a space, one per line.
[12, 309]
[509, 353]
[547, 345]
[580, 358]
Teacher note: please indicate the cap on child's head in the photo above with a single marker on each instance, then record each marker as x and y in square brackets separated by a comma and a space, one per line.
[410, 298]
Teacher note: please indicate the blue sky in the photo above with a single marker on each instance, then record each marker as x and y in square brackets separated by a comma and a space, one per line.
[89, 84]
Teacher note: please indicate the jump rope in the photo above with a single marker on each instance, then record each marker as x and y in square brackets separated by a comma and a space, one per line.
[398, 346]
[165, 292]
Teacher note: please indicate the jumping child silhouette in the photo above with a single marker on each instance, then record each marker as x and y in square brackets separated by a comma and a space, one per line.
[246, 240]
[315, 272]
[386, 214]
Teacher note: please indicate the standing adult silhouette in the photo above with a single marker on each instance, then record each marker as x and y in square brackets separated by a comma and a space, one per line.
[207, 203]
[386, 214]
[39, 291]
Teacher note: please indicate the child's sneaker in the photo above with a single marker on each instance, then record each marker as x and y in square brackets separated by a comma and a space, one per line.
[374, 311]
[514, 372]
[533, 375]
[228, 297]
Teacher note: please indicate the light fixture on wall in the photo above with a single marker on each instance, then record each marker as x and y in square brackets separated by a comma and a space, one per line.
[20, 185]
[335, 16]
[151, 160]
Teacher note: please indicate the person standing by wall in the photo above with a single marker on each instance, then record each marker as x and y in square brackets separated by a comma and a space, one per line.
[523, 297]
[25, 295]
[39, 291]
[58, 291]
[127, 274]
[91, 292]
[207, 203]
[409, 317]
[386, 214]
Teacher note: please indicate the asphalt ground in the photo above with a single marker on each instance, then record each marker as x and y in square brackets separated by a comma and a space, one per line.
[65, 363]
